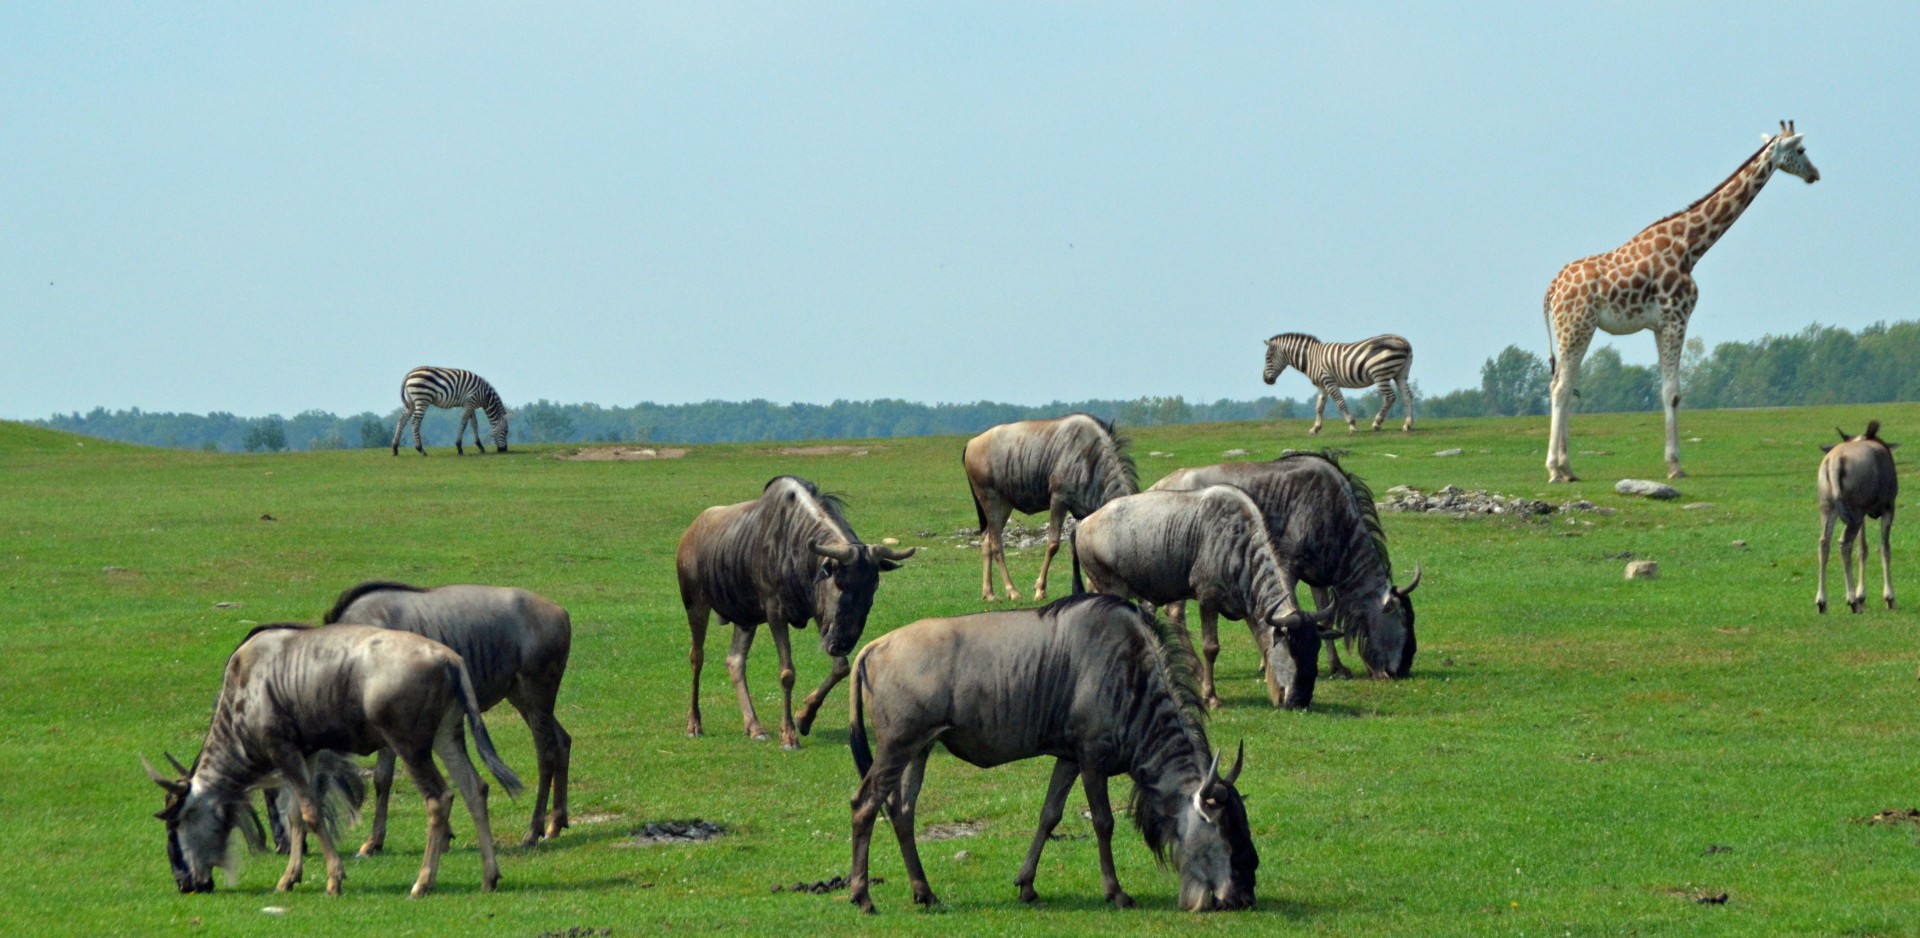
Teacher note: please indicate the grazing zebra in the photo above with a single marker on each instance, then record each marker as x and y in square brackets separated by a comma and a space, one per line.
[450, 387]
[1382, 361]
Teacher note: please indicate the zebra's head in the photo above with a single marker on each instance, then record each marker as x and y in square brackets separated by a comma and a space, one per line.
[1282, 350]
[496, 420]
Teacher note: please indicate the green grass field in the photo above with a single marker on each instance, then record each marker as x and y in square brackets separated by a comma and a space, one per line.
[1575, 754]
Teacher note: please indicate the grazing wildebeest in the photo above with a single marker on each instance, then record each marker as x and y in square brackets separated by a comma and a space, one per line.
[515, 644]
[1857, 481]
[782, 559]
[1091, 680]
[1210, 545]
[1326, 531]
[1068, 465]
[290, 693]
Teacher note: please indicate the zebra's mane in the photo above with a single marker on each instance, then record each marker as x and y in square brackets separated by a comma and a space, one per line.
[1294, 335]
[348, 597]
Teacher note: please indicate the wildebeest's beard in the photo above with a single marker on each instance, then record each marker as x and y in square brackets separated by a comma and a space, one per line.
[1216, 857]
[844, 595]
[199, 831]
[1294, 659]
[1385, 634]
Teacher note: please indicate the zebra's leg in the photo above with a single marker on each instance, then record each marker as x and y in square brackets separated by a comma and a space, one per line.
[1319, 412]
[482, 447]
[1886, 557]
[1407, 393]
[460, 436]
[419, 417]
[1332, 389]
[1386, 404]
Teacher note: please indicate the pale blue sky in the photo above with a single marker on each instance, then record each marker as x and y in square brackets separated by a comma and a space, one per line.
[274, 207]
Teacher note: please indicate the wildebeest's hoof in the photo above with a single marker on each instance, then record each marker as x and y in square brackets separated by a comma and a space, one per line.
[369, 849]
[1213, 702]
[1677, 473]
[333, 886]
[1121, 900]
[1027, 895]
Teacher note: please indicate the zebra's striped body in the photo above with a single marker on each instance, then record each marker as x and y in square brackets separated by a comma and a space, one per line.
[1382, 361]
[427, 386]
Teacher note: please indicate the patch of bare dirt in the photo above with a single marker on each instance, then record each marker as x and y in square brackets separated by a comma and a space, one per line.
[819, 887]
[1700, 896]
[690, 831]
[953, 831]
[625, 453]
[1891, 817]
[827, 450]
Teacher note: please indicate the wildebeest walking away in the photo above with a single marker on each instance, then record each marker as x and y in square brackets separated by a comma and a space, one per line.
[781, 559]
[1857, 482]
[1211, 546]
[288, 694]
[1327, 533]
[1091, 680]
[515, 644]
[1068, 465]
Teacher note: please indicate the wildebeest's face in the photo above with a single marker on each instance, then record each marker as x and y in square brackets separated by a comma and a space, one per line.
[1217, 856]
[1293, 662]
[843, 588]
[198, 827]
[1385, 625]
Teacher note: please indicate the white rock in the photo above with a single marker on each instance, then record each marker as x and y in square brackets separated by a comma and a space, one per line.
[1450, 452]
[1234, 452]
[1647, 488]
[1642, 570]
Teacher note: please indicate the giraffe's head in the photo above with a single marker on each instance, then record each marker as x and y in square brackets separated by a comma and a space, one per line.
[1790, 154]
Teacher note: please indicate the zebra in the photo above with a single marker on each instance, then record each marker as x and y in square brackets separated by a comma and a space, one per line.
[450, 387]
[1382, 361]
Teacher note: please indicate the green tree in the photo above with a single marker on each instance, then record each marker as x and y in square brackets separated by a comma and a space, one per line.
[373, 433]
[268, 434]
[1515, 383]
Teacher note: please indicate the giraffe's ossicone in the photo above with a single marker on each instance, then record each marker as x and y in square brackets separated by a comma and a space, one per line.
[1647, 283]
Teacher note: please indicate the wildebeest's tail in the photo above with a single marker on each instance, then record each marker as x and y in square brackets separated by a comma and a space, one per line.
[857, 726]
[483, 743]
[1073, 549]
[979, 512]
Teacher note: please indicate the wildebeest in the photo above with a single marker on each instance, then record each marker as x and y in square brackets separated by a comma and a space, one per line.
[1857, 481]
[1326, 531]
[1091, 680]
[290, 693]
[1211, 546]
[515, 644]
[781, 559]
[1068, 465]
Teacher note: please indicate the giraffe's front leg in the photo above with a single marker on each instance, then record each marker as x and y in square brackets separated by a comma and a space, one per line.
[1672, 338]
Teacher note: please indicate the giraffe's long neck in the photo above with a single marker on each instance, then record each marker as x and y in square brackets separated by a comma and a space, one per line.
[1700, 226]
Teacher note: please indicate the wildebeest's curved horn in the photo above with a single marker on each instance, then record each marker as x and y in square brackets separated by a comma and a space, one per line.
[177, 767]
[841, 552]
[169, 784]
[1843, 434]
[885, 552]
[1239, 757]
[1410, 583]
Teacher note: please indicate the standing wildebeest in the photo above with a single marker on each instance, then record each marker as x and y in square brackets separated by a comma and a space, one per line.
[290, 693]
[1326, 531]
[1090, 680]
[1857, 482]
[515, 644]
[1072, 464]
[1382, 361]
[782, 559]
[1211, 546]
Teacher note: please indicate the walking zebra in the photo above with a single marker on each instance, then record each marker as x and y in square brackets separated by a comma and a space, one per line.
[1382, 361]
[450, 387]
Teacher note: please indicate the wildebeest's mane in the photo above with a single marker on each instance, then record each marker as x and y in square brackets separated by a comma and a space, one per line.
[371, 586]
[270, 627]
[1363, 503]
[1120, 447]
[833, 503]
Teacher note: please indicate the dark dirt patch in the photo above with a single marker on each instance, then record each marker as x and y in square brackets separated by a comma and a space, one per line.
[1891, 817]
[820, 887]
[1715, 848]
[693, 830]
[577, 931]
[1700, 896]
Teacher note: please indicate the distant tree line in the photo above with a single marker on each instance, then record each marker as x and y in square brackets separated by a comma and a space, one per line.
[1819, 365]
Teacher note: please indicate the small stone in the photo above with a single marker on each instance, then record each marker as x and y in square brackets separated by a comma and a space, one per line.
[274, 909]
[1643, 570]
[268, 517]
[1690, 506]
[115, 570]
[1234, 452]
[1646, 488]
[1450, 452]
[963, 855]
[1739, 543]
[890, 541]
[226, 605]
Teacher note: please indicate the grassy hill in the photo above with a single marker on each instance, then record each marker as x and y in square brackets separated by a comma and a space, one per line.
[1575, 753]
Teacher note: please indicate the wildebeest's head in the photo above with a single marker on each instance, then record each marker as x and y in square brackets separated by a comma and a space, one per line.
[843, 588]
[1216, 855]
[199, 827]
[1293, 658]
[1383, 626]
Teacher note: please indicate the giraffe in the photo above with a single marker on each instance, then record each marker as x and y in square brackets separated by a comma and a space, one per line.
[1647, 283]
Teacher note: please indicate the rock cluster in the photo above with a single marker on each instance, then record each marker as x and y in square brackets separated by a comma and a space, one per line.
[1017, 535]
[1456, 502]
